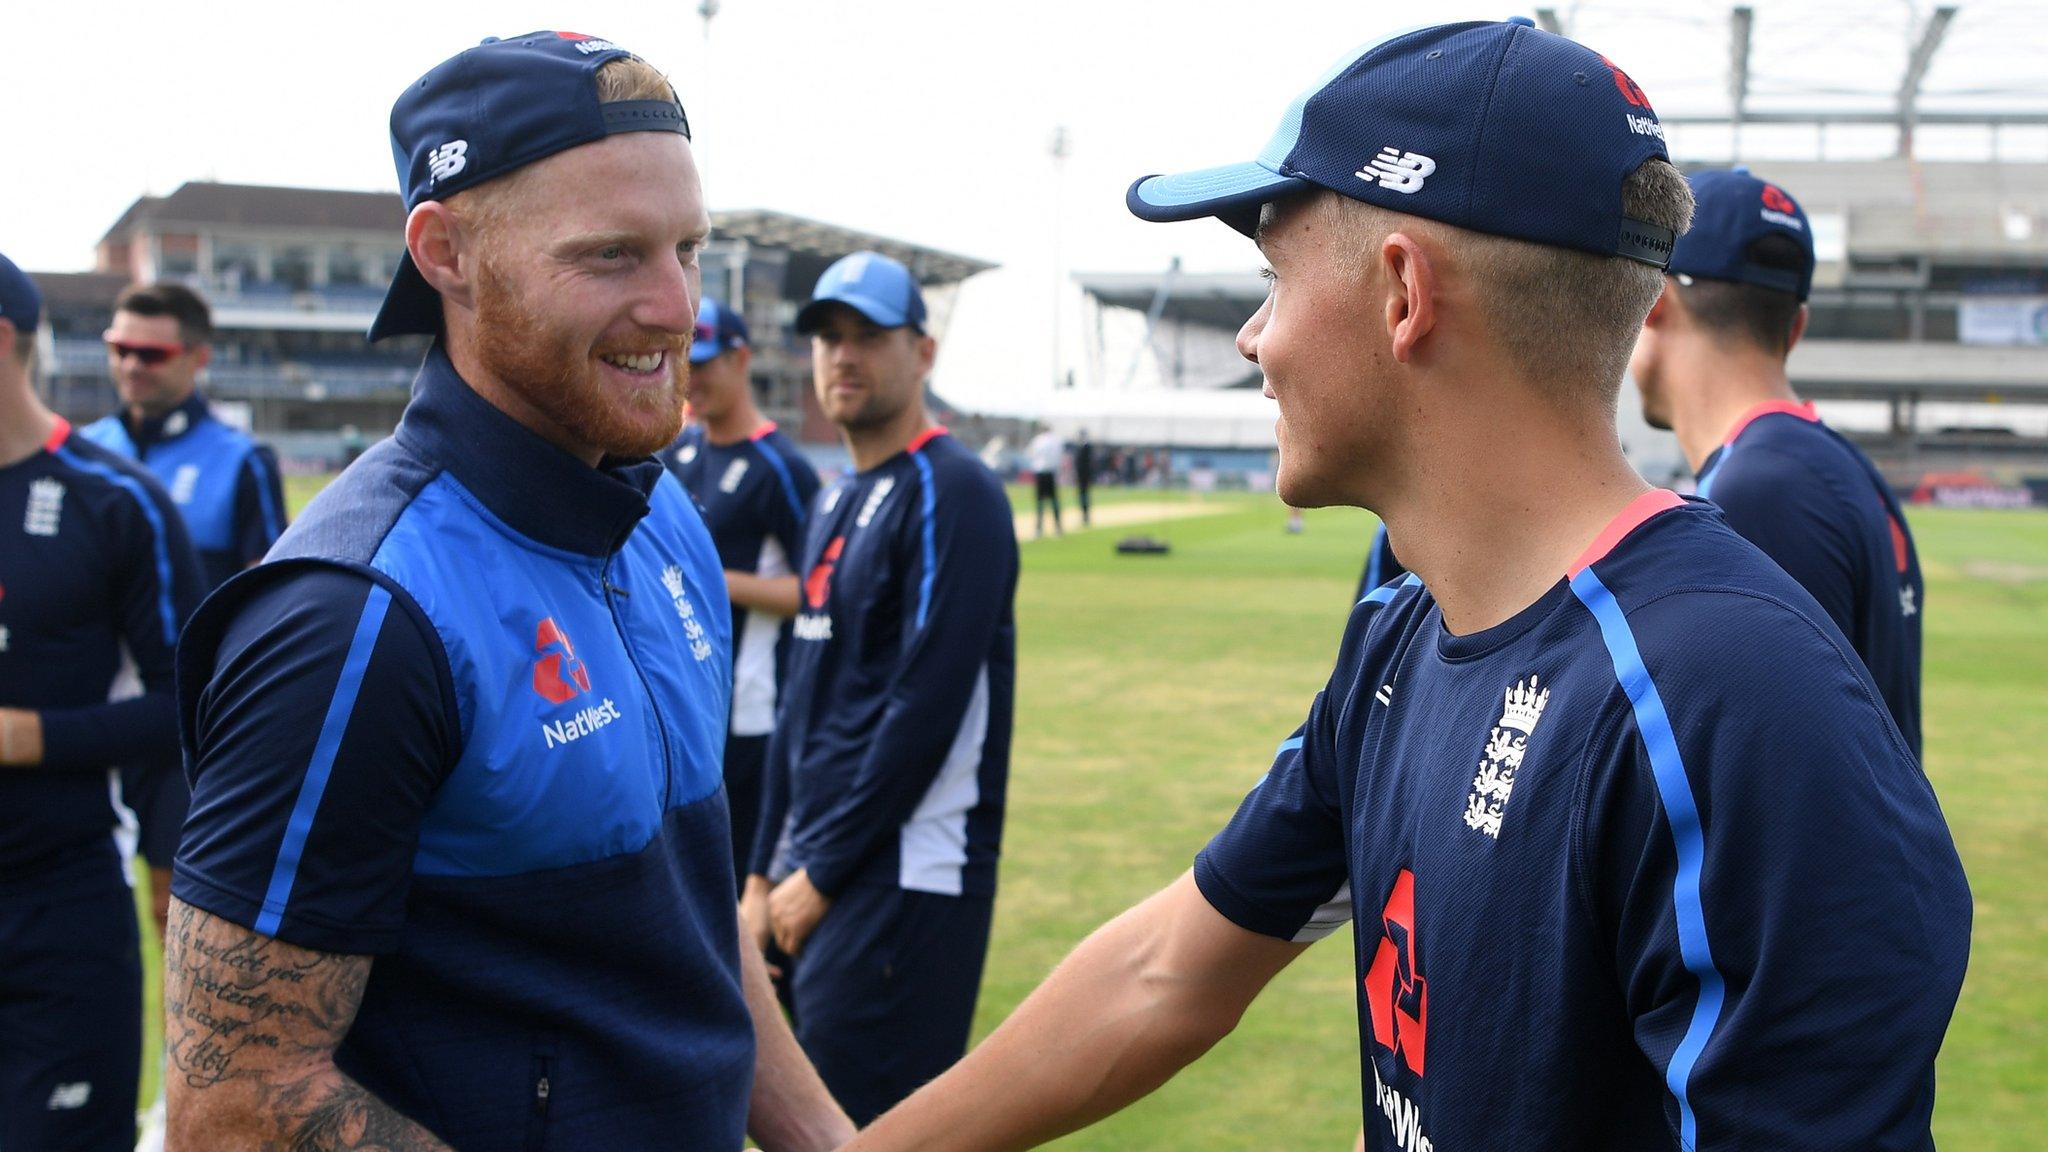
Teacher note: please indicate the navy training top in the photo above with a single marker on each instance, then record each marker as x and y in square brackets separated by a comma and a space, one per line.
[225, 484]
[753, 496]
[1645, 866]
[468, 718]
[891, 756]
[95, 568]
[1813, 502]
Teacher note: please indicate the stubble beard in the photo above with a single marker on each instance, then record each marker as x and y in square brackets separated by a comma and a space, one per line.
[553, 371]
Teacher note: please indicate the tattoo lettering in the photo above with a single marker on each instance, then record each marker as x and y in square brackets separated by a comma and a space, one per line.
[250, 1028]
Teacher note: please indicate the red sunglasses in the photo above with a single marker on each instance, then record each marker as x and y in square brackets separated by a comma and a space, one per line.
[151, 355]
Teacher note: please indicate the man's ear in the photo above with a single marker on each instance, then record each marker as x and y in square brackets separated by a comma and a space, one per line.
[443, 251]
[927, 354]
[1411, 293]
[1660, 310]
[1798, 328]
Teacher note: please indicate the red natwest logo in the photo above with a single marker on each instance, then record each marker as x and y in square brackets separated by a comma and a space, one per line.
[1776, 200]
[1630, 91]
[1395, 991]
[818, 585]
[557, 675]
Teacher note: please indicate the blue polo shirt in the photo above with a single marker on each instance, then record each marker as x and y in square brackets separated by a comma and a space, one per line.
[1815, 503]
[753, 495]
[1645, 866]
[94, 567]
[225, 484]
[468, 718]
[891, 756]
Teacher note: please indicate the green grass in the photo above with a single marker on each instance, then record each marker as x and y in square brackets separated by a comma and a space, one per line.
[1152, 690]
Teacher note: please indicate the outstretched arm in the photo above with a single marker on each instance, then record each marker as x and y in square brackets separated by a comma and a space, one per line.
[791, 1110]
[1140, 999]
[250, 1028]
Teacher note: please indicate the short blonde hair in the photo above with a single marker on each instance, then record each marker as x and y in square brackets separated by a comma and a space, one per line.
[1562, 314]
[482, 208]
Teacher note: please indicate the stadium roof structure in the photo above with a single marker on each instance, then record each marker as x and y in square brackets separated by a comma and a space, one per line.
[92, 292]
[828, 242]
[201, 202]
[1209, 299]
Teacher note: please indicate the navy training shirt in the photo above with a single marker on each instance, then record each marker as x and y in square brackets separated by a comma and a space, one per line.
[1381, 566]
[1644, 866]
[891, 756]
[225, 484]
[95, 566]
[468, 718]
[753, 495]
[1813, 502]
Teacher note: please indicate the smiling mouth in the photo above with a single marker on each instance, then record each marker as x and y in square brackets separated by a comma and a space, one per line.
[640, 364]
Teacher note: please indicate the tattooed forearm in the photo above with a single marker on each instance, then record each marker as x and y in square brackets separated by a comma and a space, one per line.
[250, 1029]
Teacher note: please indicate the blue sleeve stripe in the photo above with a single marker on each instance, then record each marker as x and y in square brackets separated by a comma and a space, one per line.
[300, 826]
[931, 548]
[1287, 745]
[1682, 816]
[1385, 592]
[1705, 488]
[781, 467]
[158, 538]
[273, 524]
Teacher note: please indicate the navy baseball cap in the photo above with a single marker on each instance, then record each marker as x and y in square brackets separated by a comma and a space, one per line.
[20, 304]
[490, 110]
[871, 284]
[1732, 211]
[1499, 128]
[719, 329]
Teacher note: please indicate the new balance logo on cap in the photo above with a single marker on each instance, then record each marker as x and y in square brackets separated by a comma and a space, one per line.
[447, 160]
[1404, 172]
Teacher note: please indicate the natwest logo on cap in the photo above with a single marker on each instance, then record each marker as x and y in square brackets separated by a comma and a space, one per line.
[557, 675]
[1630, 90]
[588, 45]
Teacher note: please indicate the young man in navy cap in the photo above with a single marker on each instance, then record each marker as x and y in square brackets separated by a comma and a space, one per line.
[94, 563]
[1587, 779]
[458, 872]
[753, 489]
[1711, 366]
[884, 809]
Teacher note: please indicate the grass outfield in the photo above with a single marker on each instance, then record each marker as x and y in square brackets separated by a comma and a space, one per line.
[1153, 689]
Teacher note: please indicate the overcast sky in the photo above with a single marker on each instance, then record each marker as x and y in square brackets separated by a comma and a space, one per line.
[928, 121]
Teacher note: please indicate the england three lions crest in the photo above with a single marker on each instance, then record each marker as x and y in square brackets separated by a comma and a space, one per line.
[1522, 709]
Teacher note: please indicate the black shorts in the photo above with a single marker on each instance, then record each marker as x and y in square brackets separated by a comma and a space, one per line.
[70, 1021]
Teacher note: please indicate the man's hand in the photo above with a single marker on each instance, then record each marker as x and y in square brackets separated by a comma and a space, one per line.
[754, 925]
[790, 1109]
[21, 738]
[1147, 993]
[794, 909]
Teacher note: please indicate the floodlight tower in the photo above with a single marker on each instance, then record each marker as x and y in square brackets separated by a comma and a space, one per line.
[1059, 148]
